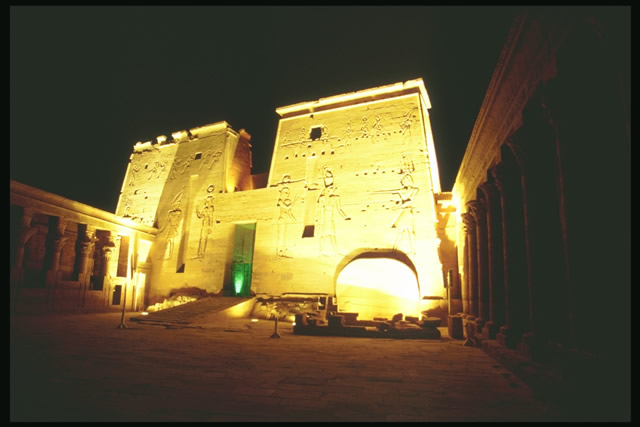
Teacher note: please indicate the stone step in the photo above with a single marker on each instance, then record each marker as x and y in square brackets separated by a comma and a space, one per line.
[188, 312]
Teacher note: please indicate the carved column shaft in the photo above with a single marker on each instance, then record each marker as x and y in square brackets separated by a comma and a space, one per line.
[58, 245]
[107, 251]
[522, 157]
[26, 231]
[17, 273]
[494, 260]
[548, 287]
[472, 293]
[107, 255]
[86, 244]
[479, 212]
[464, 285]
[515, 270]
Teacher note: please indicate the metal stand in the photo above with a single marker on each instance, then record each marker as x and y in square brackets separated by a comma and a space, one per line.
[124, 305]
[449, 286]
[275, 330]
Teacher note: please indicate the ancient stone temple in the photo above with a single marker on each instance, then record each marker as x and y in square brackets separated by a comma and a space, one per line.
[68, 256]
[348, 208]
[530, 250]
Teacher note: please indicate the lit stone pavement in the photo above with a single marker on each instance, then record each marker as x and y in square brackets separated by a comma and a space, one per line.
[81, 367]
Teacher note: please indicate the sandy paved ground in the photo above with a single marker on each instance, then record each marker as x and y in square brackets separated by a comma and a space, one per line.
[81, 367]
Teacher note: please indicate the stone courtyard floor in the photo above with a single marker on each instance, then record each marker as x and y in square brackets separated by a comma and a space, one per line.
[81, 367]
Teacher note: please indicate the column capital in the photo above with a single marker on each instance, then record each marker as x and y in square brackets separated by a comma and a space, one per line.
[62, 227]
[490, 191]
[503, 178]
[477, 209]
[109, 246]
[25, 234]
[86, 248]
[469, 222]
[59, 243]
[538, 109]
[89, 235]
[107, 251]
[516, 143]
[27, 216]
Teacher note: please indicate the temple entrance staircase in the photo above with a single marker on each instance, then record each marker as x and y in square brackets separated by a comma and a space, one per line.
[200, 311]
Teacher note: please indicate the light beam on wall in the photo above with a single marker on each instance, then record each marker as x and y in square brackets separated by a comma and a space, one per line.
[238, 281]
[378, 287]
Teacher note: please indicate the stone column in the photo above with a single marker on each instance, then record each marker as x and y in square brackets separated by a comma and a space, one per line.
[58, 243]
[86, 244]
[17, 271]
[508, 181]
[494, 260]
[59, 240]
[529, 336]
[472, 286]
[26, 232]
[535, 144]
[477, 209]
[464, 283]
[107, 252]
[561, 326]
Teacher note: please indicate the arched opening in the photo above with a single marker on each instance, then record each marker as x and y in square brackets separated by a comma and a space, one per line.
[378, 284]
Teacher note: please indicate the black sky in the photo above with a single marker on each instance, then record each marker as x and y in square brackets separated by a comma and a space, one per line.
[87, 83]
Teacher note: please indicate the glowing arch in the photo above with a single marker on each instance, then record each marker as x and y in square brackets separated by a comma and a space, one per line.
[377, 283]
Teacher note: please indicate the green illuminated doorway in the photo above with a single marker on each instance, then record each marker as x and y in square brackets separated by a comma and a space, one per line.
[242, 261]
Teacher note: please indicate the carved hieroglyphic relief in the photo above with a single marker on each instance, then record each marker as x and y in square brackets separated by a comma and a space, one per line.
[307, 146]
[364, 128]
[129, 200]
[187, 164]
[404, 222]
[287, 137]
[134, 175]
[285, 214]
[126, 202]
[303, 134]
[328, 205]
[157, 170]
[172, 225]
[405, 125]
[403, 202]
[205, 215]
[408, 166]
[348, 133]
[377, 129]
[285, 217]
[324, 133]
[174, 169]
[210, 158]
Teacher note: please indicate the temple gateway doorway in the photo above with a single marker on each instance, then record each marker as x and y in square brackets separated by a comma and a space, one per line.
[378, 284]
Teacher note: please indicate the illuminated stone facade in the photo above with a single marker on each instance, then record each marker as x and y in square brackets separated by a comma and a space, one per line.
[67, 256]
[534, 238]
[352, 177]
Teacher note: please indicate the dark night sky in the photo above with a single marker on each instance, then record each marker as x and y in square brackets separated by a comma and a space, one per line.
[87, 83]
